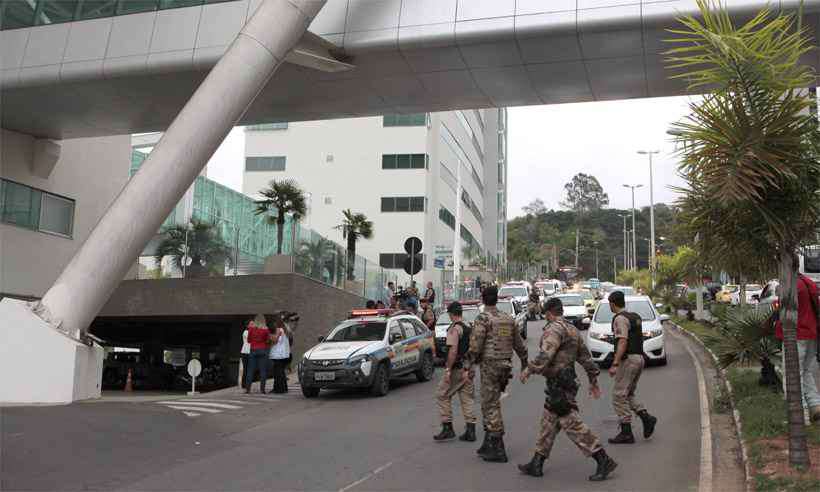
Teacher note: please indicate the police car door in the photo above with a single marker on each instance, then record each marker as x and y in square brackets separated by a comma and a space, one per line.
[396, 340]
[414, 336]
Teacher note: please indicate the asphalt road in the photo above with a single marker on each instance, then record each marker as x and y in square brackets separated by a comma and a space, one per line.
[341, 441]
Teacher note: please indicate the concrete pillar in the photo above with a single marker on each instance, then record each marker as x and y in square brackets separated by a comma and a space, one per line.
[136, 215]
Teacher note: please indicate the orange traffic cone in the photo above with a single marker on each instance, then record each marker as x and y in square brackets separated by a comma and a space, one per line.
[129, 382]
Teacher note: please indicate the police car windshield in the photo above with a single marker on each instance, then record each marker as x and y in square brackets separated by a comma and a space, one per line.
[506, 307]
[468, 316]
[642, 308]
[513, 291]
[358, 331]
[571, 300]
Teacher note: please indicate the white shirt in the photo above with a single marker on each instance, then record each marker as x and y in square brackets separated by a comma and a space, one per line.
[246, 347]
[281, 349]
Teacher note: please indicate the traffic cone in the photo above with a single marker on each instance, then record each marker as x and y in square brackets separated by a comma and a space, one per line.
[129, 382]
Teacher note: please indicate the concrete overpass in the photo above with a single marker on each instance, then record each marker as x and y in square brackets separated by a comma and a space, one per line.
[134, 73]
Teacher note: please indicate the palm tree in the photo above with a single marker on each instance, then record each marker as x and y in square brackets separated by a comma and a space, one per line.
[315, 258]
[749, 155]
[198, 241]
[353, 227]
[282, 198]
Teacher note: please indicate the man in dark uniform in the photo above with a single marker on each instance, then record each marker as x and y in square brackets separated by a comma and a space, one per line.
[493, 339]
[455, 381]
[561, 347]
[627, 366]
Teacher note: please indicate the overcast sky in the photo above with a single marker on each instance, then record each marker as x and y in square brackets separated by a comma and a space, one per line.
[550, 144]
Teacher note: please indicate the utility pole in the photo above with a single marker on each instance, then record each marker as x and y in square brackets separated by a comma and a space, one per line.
[614, 269]
[597, 275]
[634, 241]
[652, 259]
[626, 256]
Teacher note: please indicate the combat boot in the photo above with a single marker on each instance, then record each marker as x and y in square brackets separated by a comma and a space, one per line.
[484, 445]
[625, 436]
[649, 422]
[606, 465]
[496, 452]
[446, 433]
[469, 433]
[535, 468]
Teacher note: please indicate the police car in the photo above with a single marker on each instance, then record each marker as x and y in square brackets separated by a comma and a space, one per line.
[367, 350]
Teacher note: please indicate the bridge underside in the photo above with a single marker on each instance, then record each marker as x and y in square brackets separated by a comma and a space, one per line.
[524, 58]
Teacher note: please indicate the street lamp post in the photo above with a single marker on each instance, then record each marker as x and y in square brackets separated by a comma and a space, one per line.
[634, 247]
[626, 255]
[652, 261]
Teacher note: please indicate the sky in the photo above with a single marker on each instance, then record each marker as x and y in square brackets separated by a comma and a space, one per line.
[548, 145]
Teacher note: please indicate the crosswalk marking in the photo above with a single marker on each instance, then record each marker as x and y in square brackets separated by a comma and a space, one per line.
[198, 403]
[194, 409]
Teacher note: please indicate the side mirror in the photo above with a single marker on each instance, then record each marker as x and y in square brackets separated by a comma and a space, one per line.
[664, 318]
[586, 321]
[756, 297]
[395, 337]
[321, 339]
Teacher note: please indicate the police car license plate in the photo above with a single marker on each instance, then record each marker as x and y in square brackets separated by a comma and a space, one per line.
[324, 376]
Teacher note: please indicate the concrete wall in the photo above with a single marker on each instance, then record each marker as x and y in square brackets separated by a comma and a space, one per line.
[91, 171]
[320, 306]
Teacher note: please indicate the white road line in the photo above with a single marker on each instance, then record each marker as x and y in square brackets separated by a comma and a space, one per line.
[191, 414]
[219, 401]
[194, 409]
[367, 477]
[705, 482]
[223, 406]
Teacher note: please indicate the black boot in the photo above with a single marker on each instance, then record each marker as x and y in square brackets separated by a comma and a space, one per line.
[469, 433]
[625, 436]
[606, 465]
[496, 453]
[649, 422]
[485, 444]
[535, 468]
[446, 432]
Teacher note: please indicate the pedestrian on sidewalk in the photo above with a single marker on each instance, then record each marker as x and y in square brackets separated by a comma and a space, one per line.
[279, 354]
[244, 355]
[259, 339]
[807, 313]
[455, 380]
[627, 366]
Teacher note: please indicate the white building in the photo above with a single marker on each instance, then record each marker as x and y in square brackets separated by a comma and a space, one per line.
[401, 171]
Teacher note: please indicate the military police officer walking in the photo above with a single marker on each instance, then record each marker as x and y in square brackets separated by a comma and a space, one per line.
[493, 339]
[562, 346]
[456, 381]
[626, 368]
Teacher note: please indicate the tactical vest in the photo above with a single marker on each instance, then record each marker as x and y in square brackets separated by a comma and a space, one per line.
[499, 342]
[634, 342]
[463, 344]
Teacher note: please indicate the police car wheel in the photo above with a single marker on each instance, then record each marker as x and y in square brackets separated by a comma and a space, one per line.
[381, 382]
[425, 372]
[310, 392]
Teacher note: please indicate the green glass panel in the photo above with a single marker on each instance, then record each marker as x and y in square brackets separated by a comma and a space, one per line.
[403, 161]
[389, 161]
[21, 205]
[93, 9]
[16, 14]
[172, 4]
[417, 161]
[134, 6]
[56, 11]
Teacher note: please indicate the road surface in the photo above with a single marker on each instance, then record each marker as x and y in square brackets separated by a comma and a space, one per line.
[341, 441]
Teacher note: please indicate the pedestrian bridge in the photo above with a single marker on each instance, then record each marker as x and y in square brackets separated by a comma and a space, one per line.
[133, 73]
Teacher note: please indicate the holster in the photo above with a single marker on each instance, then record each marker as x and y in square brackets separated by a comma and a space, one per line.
[558, 387]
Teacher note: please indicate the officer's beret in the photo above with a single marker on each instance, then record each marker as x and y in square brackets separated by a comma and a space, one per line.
[455, 308]
[555, 304]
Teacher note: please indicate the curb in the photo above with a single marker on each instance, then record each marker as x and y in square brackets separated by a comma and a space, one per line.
[744, 452]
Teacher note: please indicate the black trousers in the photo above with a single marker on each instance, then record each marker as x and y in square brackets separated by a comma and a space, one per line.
[245, 368]
[280, 378]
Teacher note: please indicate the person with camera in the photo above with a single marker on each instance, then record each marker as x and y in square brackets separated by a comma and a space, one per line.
[455, 382]
[560, 348]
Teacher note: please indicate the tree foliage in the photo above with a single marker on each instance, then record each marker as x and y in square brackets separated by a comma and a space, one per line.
[535, 207]
[354, 226]
[199, 241]
[281, 198]
[584, 194]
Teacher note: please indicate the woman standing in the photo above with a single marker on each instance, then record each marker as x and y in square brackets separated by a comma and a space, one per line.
[280, 353]
[244, 355]
[259, 337]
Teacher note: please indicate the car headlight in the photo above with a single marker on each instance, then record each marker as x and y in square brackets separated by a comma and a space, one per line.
[653, 333]
[598, 336]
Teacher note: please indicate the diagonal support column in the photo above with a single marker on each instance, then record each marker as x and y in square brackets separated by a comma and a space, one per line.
[135, 216]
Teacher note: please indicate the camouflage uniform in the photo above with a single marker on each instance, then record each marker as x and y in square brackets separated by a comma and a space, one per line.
[494, 338]
[464, 387]
[561, 346]
[626, 377]
[534, 305]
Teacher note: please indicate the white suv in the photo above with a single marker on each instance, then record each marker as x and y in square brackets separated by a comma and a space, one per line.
[601, 341]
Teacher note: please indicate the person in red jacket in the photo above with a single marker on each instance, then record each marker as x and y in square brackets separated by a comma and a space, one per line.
[259, 337]
[807, 305]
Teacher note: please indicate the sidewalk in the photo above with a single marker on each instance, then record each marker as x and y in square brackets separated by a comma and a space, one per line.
[293, 380]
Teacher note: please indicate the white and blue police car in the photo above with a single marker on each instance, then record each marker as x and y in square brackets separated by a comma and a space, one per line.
[367, 350]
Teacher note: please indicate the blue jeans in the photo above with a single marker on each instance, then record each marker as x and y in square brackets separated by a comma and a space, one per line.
[258, 359]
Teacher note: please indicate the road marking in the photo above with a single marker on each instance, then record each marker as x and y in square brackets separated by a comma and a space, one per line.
[191, 414]
[194, 409]
[198, 403]
[367, 477]
[239, 402]
[705, 482]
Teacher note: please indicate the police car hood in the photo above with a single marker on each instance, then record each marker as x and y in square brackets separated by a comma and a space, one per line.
[339, 350]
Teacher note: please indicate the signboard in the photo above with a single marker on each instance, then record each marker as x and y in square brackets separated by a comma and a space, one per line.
[194, 368]
[412, 245]
[439, 262]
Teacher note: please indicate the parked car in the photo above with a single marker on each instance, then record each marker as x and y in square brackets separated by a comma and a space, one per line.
[575, 311]
[590, 301]
[628, 291]
[367, 351]
[546, 288]
[601, 341]
[469, 314]
[514, 309]
[753, 292]
[519, 292]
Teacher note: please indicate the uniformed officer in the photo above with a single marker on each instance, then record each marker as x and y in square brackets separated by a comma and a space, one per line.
[455, 381]
[493, 339]
[534, 306]
[561, 346]
[428, 316]
[626, 368]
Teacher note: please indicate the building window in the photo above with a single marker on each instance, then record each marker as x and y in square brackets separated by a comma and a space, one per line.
[267, 127]
[328, 200]
[418, 119]
[35, 209]
[404, 161]
[396, 260]
[447, 217]
[403, 204]
[272, 163]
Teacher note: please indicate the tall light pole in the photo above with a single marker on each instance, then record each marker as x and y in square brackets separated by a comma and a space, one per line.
[652, 261]
[634, 242]
[626, 255]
